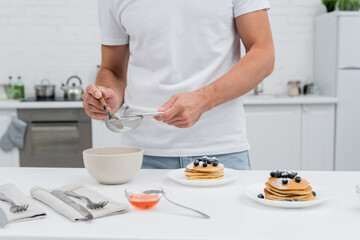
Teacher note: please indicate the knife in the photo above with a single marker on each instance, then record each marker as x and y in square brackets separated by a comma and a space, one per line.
[3, 218]
[83, 211]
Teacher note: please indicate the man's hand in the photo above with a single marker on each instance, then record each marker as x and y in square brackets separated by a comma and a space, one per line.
[182, 110]
[92, 105]
[110, 82]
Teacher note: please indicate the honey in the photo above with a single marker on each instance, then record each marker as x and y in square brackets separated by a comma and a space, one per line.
[143, 201]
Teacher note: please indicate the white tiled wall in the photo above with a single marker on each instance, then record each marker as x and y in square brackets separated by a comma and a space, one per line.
[58, 38]
[48, 39]
[292, 24]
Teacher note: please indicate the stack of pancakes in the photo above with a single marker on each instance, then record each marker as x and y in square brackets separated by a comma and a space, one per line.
[209, 172]
[291, 191]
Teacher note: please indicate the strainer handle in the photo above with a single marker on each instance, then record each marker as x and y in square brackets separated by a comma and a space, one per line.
[151, 114]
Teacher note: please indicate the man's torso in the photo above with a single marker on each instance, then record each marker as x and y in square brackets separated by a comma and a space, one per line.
[180, 46]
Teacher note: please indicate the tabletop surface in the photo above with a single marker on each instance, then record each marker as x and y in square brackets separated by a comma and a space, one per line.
[233, 215]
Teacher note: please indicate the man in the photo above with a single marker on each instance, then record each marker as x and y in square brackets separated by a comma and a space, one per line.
[182, 58]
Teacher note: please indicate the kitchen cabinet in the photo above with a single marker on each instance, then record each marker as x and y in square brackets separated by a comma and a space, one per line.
[297, 136]
[317, 141]
[11, 158]
[274, 134]
[285, 133]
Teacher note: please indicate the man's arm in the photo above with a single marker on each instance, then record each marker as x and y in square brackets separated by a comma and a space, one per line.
[184, 109]
[110, 82]
[258, 63]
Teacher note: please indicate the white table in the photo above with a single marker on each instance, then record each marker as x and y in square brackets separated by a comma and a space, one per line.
[233, 215]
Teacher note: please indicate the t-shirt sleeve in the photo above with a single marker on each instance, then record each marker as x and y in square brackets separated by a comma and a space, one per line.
[112, 32]
[246, 6]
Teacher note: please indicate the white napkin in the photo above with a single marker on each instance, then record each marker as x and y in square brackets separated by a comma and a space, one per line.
[44, 195]
[12, 192]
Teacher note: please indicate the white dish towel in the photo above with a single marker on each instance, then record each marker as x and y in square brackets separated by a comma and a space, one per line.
[45, 196]
[12, 192]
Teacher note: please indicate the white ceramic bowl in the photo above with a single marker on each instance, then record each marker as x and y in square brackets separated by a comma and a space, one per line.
[113, 165]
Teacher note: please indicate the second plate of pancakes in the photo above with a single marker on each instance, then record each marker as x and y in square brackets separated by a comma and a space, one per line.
[253, 190]
[178, 176]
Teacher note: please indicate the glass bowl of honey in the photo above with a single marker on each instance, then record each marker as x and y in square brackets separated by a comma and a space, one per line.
[143, 198]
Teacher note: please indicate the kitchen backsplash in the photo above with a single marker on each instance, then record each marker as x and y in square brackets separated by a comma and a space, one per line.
[49, 39]
[58, 38]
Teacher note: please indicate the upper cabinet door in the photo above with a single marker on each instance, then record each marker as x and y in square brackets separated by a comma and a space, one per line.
[349, 42]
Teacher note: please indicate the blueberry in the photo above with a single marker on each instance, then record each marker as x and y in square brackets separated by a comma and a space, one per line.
[284, 175]
[272, 174]
[314, 193]
[196, 163]
[277, 174]
[291, 175]
[209, 161]
[203, 159]
[204, 164]
[295, 173]
[215, 163]
[199, 159]
[298, 179]
[285, 181]
[261, 196]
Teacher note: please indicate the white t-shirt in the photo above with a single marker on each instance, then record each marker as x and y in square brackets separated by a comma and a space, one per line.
[179, 46]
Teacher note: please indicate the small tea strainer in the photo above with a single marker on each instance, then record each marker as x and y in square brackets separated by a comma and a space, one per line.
[123, 123]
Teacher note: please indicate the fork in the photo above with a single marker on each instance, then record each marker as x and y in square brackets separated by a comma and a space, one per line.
[14, 207]
[90, 204]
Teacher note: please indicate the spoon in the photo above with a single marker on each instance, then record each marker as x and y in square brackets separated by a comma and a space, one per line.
[112, 122]
[104, 104]
[163, 194]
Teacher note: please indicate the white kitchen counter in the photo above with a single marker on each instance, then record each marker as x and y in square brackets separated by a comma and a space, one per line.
[233, 215]
[286, 100]
[248, 100]
[17, 104]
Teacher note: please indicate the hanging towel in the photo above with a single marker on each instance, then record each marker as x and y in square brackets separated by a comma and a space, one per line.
[14, 135]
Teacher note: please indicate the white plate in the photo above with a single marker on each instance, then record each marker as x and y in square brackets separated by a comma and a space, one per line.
[253, 190]
[178, 176]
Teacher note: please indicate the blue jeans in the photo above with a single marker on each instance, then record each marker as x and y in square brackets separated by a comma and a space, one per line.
[238, 160]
